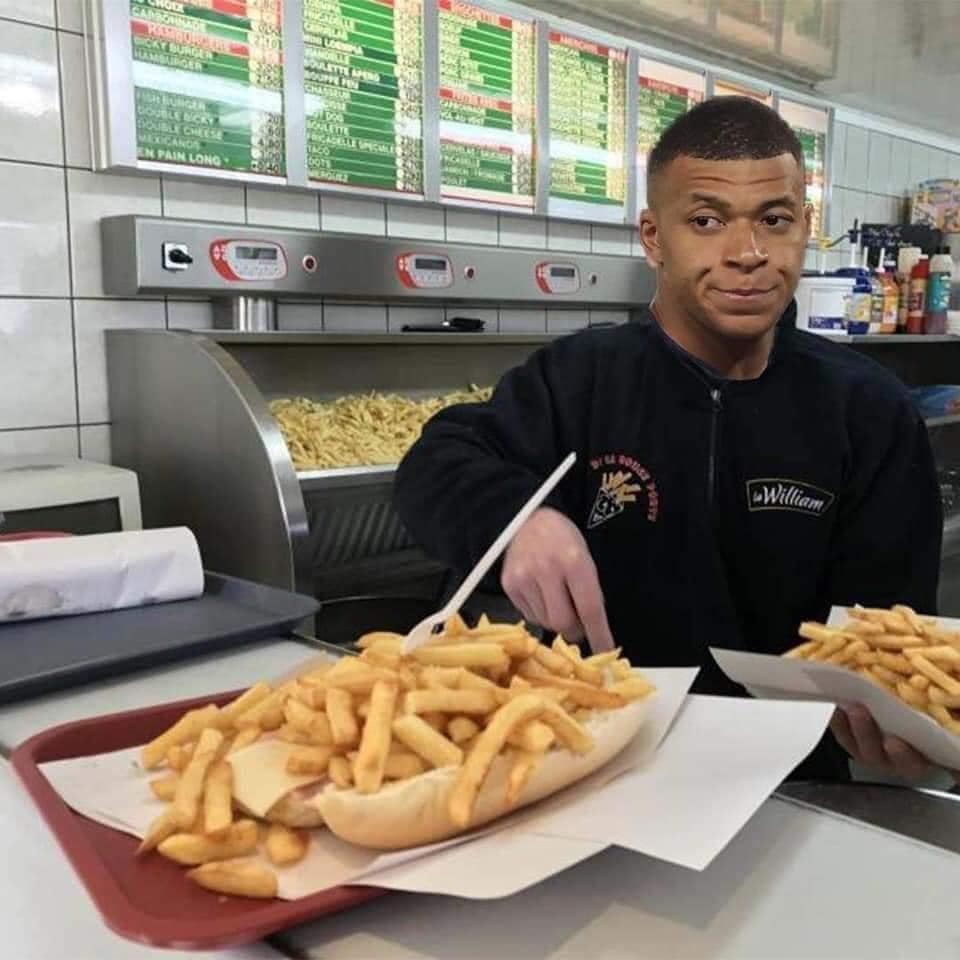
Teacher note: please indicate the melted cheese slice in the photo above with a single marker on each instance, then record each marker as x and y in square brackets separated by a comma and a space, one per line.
[260, 775]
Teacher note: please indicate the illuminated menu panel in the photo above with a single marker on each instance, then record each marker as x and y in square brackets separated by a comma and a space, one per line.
[364, 92]
[724, 88]
[810, 124]
[487, 89]
[588, 121]
[664, 93]
[208, 78]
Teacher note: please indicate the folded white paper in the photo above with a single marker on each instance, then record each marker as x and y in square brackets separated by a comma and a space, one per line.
[780, 679]
[106, 571]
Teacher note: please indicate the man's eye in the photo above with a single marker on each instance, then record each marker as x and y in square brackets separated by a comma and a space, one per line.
[706, 222]
[776, 220]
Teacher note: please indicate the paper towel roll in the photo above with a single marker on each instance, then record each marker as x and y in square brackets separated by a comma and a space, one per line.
[104, 571]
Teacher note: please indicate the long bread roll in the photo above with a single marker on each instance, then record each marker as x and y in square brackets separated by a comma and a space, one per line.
[408, 813]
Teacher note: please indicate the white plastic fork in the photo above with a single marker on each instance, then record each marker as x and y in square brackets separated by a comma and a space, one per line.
[420, 634]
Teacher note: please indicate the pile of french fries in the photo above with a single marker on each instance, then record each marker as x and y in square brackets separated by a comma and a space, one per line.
[907, 654]
[462, 700]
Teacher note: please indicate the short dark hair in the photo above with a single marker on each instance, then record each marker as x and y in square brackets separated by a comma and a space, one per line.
[724, 128]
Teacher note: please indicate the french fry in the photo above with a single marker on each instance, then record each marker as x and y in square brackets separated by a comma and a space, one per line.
[239, 878]
[250, 698]
[244, 738]
[867, 658]
[455, 626]
[164, 787]
[415, 733]
[533, 737]
[381, 640]
[919, 681]
[896, 642]
[217, 800]
[436, 720]
[942, 655]
[913, 696]
[587, 672]
[621, 669]
[942, 698]
[896, 662]
[299, 715]
[604, 659]
[309, 761]
[178, 756]
[402, 766]
[570, 733]
[524, 764]
[936, 675]
[162, 827]
[285, 846]
[441, 678]
[472, 655]
[828, 647]
[473, 681]
[192, 849]
[636, 688]
[313, 697]
[356, 676]
[368, 771]
[187, 728]
[818, 633]
[189, 790]
[803, 650]
[343, 722]
[914, 622]
[888, 676]
[553, 662]
[450, 701]
[264, 713]
[863, 628]
[582, 694]
[340, 772]
[944, 717]
[461, 729]
[474, 771]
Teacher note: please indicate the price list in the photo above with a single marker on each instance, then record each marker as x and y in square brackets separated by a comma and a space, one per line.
[810, 125]
[487, 89]
[364, 93]
[664, 93]
[208, 83]
[588, 121]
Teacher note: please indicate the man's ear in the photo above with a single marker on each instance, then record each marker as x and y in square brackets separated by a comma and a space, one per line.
[650, 237]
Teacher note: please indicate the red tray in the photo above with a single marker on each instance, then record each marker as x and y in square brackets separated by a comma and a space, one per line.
[149, 899]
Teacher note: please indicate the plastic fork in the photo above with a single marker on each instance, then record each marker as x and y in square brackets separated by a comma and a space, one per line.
[421, 633]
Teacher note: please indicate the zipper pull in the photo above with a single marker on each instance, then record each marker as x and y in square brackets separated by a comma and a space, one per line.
[716, 397]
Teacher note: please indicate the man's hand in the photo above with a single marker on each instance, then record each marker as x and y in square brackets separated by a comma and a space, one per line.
[858, 734]
[551, 578]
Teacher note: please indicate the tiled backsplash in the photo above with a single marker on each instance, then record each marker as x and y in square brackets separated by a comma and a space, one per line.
[53, 310]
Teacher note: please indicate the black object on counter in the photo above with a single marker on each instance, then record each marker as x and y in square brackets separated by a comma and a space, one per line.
[38, 656]
[451, 325]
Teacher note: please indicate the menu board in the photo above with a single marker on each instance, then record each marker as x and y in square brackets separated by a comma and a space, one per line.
[724, 88]
[363, 84]
[810, 124]
[664, 93]
[588, 121]
[487, 92]
[208, 83]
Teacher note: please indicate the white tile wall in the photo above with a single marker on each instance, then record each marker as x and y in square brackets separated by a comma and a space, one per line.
[472, 226]
[29, 94]
[96, 195]
[36, 364]
[412, 220]
[76, 119]
[29, 11]
[52, 376]
[33, 231]
[53, 441]
[283, 208]
[92, 317]
[69, 14]
[352, 215]
[202, 200]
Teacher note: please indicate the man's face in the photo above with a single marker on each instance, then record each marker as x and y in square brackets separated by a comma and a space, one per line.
[728, 238]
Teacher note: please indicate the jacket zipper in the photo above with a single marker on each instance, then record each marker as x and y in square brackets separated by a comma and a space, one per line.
[716, 398]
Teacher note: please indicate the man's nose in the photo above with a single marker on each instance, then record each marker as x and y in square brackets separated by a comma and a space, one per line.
[743, 249]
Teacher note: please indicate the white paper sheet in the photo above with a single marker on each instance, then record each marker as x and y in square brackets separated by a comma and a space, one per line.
[779, 678]
[129, 806]
[722, 759]
[106, 571]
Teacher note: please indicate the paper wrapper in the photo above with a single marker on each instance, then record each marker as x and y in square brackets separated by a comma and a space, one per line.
[106, 571]
[779, 678]
[684, 765]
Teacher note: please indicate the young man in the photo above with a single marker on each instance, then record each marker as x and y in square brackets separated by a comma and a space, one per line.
[735, 476]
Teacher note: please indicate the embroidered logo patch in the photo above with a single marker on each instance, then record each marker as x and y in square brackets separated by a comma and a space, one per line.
[776, 493]
[623, 484]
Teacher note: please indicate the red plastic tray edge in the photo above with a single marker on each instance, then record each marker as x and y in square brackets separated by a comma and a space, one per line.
[258, 920]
